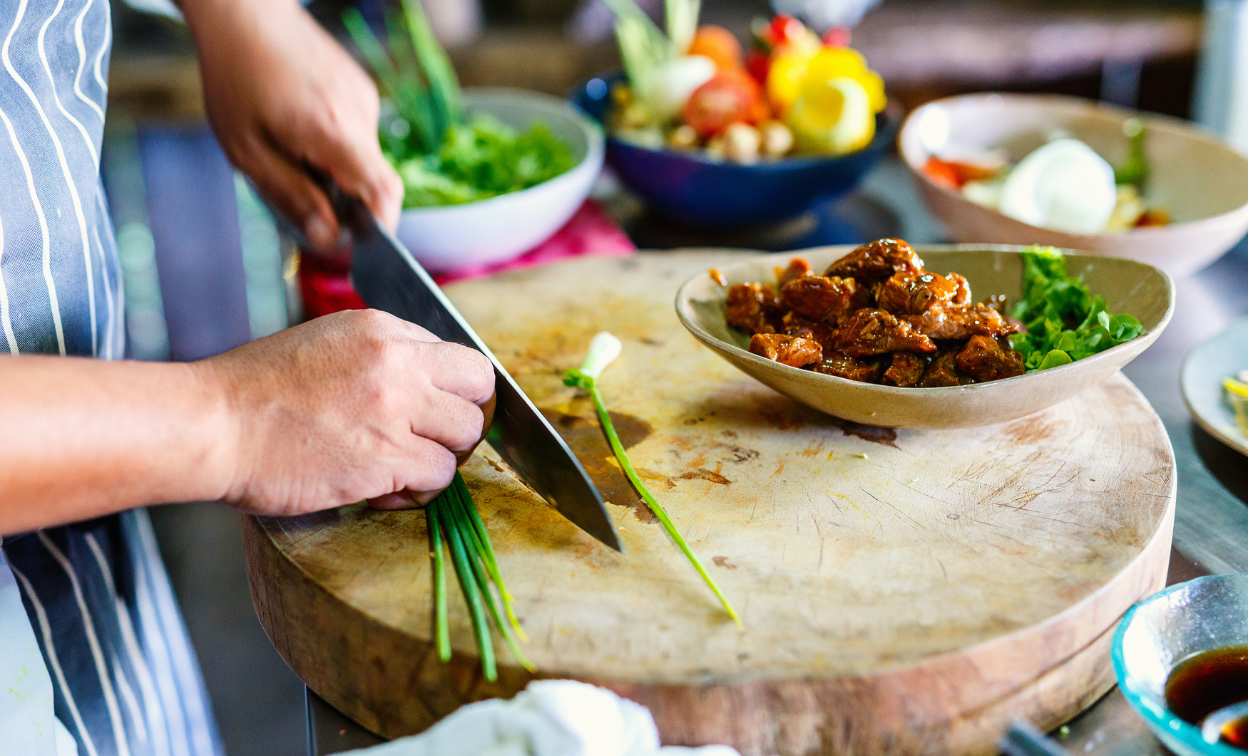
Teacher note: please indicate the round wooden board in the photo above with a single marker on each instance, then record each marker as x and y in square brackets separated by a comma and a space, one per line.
[902, 591]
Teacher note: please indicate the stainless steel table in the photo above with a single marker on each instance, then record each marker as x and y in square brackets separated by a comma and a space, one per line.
[1211, 523]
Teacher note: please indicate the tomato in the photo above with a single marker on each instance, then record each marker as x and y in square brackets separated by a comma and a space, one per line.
[786, 30]
[731, 97]
[758, 63]
[718, 44]
[942, 173]
[837, 36]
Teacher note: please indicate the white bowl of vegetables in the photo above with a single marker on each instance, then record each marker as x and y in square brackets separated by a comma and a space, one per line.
[488, 173]
[500, 227]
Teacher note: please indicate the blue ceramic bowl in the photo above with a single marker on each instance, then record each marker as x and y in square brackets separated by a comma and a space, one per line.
[696, 191]
[1166, 628]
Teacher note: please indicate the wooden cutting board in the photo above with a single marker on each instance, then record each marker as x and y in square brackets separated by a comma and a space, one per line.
[903, 591]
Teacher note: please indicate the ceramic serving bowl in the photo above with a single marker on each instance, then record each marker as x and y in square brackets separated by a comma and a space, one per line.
[1200, 181]
[1220, 357]
[1165, 629]
[500, 228]
[694, 190]
[1128, 286]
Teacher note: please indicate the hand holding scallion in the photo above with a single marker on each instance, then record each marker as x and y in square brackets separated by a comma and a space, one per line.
[603, 350]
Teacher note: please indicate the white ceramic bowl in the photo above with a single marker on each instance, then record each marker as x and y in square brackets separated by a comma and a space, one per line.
[500, 228]
[1200, 181]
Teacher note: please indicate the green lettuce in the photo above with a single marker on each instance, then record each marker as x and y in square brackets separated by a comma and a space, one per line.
[481, 159]
[1064, 320]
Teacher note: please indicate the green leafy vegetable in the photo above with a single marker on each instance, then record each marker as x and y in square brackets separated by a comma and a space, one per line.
[443, 158]
[453, 517]
[1065, 321]
[602, 351]
[483, 159]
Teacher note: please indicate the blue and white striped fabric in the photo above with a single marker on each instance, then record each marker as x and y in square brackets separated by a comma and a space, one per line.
[124, 677]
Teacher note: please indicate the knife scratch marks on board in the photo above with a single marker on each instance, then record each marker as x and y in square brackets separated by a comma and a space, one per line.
[899, 512]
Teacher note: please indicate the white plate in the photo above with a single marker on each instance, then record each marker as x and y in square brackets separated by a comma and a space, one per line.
[1224, 355]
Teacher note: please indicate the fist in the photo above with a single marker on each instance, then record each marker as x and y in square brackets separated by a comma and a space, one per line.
[352, 406]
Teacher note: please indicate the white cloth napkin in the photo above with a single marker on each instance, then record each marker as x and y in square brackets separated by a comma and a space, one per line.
[548, 718]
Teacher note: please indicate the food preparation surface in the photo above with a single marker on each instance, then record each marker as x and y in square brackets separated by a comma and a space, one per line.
[901, 591]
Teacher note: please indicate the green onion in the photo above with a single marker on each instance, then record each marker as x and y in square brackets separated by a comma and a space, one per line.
[441, 631]
[453, 517]
[602, 351]
[415, 74]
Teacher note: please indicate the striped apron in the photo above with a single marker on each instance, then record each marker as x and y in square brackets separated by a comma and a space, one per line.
[89, 628]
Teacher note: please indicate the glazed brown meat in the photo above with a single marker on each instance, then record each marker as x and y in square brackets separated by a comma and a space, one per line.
[984, 359]
[876, 261]
[799, 268]
[794, 351]
[819, 330]
[747, 304]
[869, 332]
[823, 298]
[948, 323]
[906, 370]
[877, 316]
[942, 372]
[836, 363]
[908, 293]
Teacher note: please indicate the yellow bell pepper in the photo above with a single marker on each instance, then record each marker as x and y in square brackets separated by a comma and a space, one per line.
[832, 117]
[792, 71]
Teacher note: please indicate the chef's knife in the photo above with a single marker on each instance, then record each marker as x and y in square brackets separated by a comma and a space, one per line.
[388, 278]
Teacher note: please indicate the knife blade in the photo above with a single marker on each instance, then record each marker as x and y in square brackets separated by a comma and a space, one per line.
[388, 278]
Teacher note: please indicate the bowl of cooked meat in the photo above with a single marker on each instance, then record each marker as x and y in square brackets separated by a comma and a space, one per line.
[875, 335]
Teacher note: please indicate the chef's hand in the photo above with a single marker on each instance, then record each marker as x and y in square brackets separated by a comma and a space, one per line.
[281, 94]
[352, 406]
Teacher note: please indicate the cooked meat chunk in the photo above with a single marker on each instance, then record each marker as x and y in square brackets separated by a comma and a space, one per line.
[908, 293]
[749, 305]
[877, 261]
[984, 359]
[836, 363]
[963, 294]
[962, 322]
[819, 297]
[819, 330]
[794, 351]
[942, 372]
[868, 332]
[799, 268]
[906, 370]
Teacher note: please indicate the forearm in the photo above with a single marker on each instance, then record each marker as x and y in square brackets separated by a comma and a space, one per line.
[83, 438]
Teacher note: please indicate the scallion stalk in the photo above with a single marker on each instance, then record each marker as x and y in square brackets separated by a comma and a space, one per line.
[441, 631]
[472, 594]
[453, 519]
[602, 351]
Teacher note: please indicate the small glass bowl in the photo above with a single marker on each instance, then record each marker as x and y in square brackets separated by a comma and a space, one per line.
[1159, 632]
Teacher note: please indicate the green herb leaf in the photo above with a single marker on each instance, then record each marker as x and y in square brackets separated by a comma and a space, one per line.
[1064, 320]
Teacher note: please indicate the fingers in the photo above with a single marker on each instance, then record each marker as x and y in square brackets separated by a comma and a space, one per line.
[449, 420]
[487, 412]
[346, 148]
[464, 372]
[294, 192]
[428, 472]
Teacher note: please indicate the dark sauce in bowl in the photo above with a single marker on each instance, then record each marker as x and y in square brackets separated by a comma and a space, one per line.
[1208, 681]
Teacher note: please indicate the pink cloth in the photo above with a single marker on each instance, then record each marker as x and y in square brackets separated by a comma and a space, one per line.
[326, 288]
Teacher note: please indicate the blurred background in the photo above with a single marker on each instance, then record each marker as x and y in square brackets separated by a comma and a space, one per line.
[206, 269]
